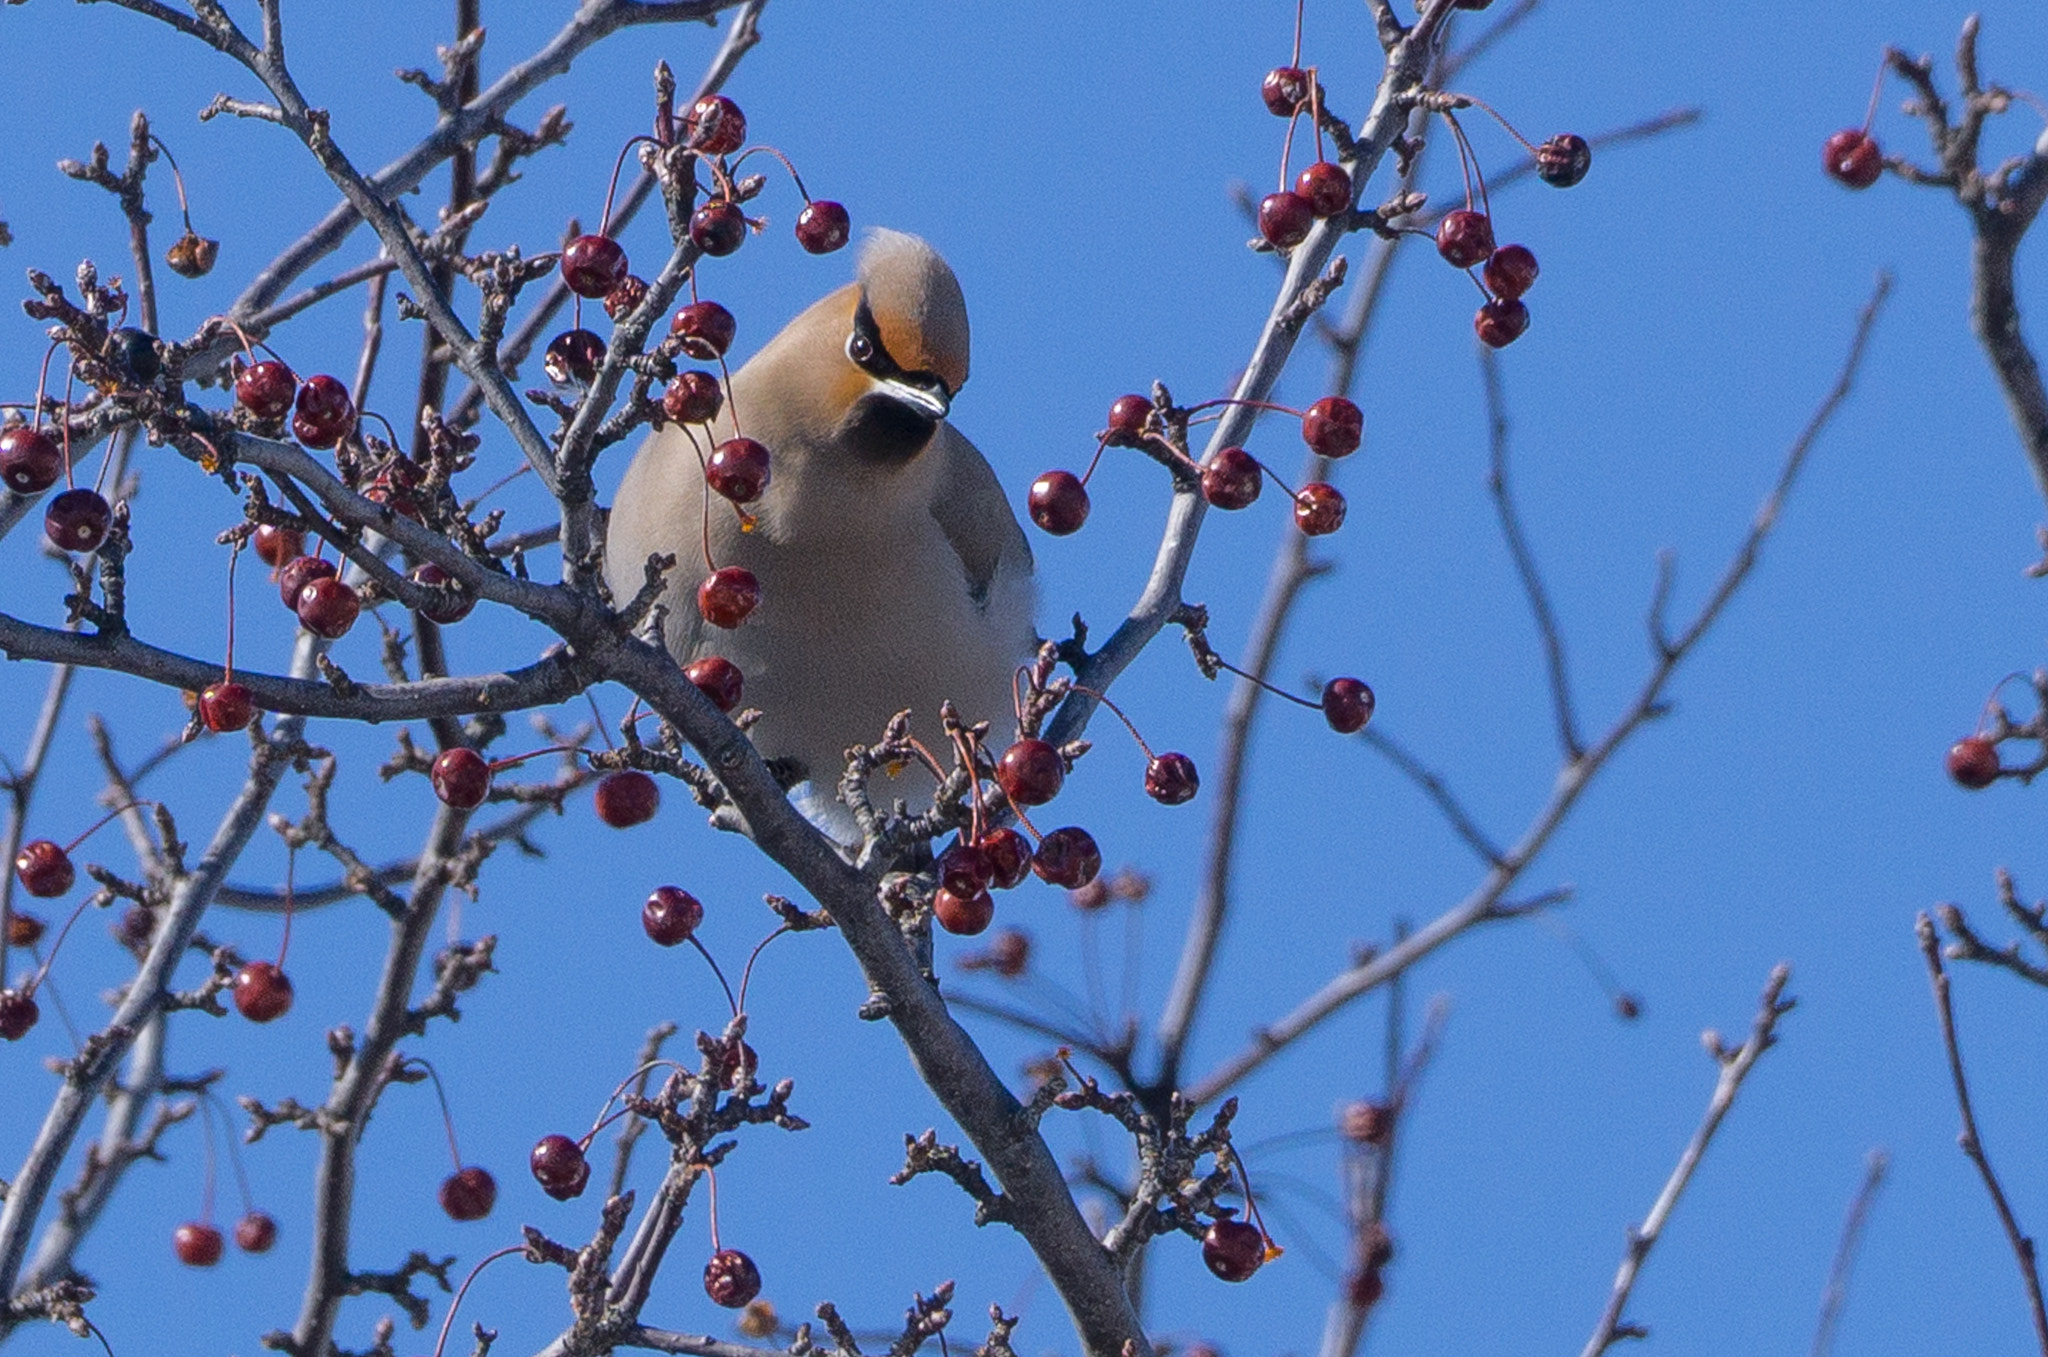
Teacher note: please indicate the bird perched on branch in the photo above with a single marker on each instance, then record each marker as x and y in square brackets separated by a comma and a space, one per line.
[892, 571]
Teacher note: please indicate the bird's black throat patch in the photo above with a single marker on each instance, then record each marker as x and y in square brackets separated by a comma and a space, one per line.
[883, 430]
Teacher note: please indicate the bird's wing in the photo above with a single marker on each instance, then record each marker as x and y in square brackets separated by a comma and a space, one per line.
[971, 509]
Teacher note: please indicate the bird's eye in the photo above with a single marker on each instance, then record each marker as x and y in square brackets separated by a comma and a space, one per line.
[860, 348]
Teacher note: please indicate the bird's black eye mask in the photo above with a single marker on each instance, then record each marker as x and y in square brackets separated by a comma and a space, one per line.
[864, 347]
[883, 427]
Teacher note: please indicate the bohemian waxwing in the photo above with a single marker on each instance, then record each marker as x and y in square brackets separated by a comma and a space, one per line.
[893, 573]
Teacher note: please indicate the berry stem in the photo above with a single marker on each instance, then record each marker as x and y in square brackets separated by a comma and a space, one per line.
[1299, 6]
[597, 717]
[1117, 712]
[712, 962]
[440, 1094]
[604, 222]
[184, 209]
[1490, 111]
[1100, 444]
[604, 1113]
[208, 1096]
[291, 859]
[1249, 405]
[711, 1175]
[43, 972]
[747, 974]
[770, 150]
[448, 1323]
[206, 1182]
[1876, 87]
[1251, 1206]
[234, 555]
[1282, 693]
[94, 828]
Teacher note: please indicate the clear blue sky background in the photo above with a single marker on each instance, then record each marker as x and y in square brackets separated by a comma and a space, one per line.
[1076, 165]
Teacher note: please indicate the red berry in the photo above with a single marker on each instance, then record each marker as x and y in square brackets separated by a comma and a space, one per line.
[265, 388]
[275, 545]
[705, 330]
[727, 595]
[731, 1279]
[738, 470]
[226, 706]
[1501, 322]
[1285, 218]
[1030, 772]
[30, 460]
[1318, 509]
[197, 1244]
[1464, 237]
[715, 126]
[1009, 857]
[1563, 160]
[263, 992]
[1852, 157]
[461, 778]
[451, 603]
[573, 357]
[822, 227]
[963, 915]
[1171, 779]
[1511, 271]
[693, 397]
[324, 413]
[77, 520]
[560, 1167]
[1231, 479]
[718, 679]
[328, 608]
[24, 930]
[1068, 858]
[625, 299]
[671, 915]
[469, 1193]
[626, 798]
[1233, 1249]
[593, 265]
[1973, 762]
[718, 228]
[1127, 418]
[45, 869]
[1333, 427]
[18, 1014]
[1285, 90]
[1058, 503]
[966, 869]
[1347, 705]
[1326, 186]
[255, 1232]
[299, 572]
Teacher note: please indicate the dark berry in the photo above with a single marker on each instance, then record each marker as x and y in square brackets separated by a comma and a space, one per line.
[727, 595]
[263, 992]
[255, 1232]
[966, 869]
[24, 930]
[1127, 418]
[671, 915]
[197, 1244]
[963, 915]
[1347, 705]
[328, 608]
[573, 357]
[626, 798]
[693, 397]
[718, 679]
[45, 869]
[226, 706]
[1563, 160]
[734, 1065]
[134, 353]
[705, 330]
[469, 1193]
[559, 1167]
[625, 299]
[1972, 762]
[1231, 479]
[299, 572]
[192, 255]
[1326, 186]
[77, 520]
[823, 227]
[1500, 322]
[1285, 218]
[1333, 427]
[136, 927]
[1030, 772]
[275, 545]
[1067, 858]
[1171, 779]
[731, 1279]
[715, 126]
[593, 265]
[1285, 90]
[1233, 1249]
[18, 1014]
[30, 460]
[461, 778]
[738, 470]
[1511, 271]
[718, 228]
[1852, 157]
[1009, 857]
[1627, 1007]
[1058, 503]
[451, 603]
[1465, 237]
[265, 388]
[323, 413]
[1318, 509]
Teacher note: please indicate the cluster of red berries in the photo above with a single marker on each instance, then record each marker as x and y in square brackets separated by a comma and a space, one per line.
[199, 1243]
[462, 778]
[76, 519]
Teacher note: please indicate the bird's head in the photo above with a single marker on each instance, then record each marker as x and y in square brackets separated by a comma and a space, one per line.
[904, 342]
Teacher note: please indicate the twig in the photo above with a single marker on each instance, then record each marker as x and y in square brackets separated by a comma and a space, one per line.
[1875, 1166]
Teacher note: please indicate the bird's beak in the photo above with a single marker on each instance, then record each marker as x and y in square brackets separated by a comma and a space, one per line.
[929, 401]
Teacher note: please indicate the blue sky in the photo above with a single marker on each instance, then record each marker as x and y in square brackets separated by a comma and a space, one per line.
[1076, 167]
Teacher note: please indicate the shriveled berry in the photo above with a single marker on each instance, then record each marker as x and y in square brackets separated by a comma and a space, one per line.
[1127, 418]
[25, 929]
[727, 595]
[718, 679]
[275, 545]
[1232, 479]
[18, 1014]
[1511, 271]
[328, 608]
[1058, 503]
[1284, 90]
[1171, 779]
[451, 603]
[1563, 160]
[299, 572]
[715, 126]
[626, 798]
[469, 1193]
[705, 330]
[255, 1232]
[461, 778]
[30, 460]
[693, 397]
[625, 299]
[964, 915]
[263, 992]
[77, 520]
[192, 255]
[1233, 1249]
[593, 265]
[1067, 858]
[738, 470]
[559, 1166]
[1347, 705]
[718, 228]
[1973, 762]
[1326, 186]
[671, 915]
[45, 869]
[1009, 857]
[266, 387]
[823, 226]
[573, 357]
[226, 706]
[731, 1279]
[1285, 218]
[197, 1244]
[1501, 322]
[1319, 509]
[1464, 237]
[323, 413]
[1852, 157]
[966, 869]
[1030, 772]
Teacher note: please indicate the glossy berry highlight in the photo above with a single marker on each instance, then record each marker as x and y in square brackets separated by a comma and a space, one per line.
[1058, 503]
